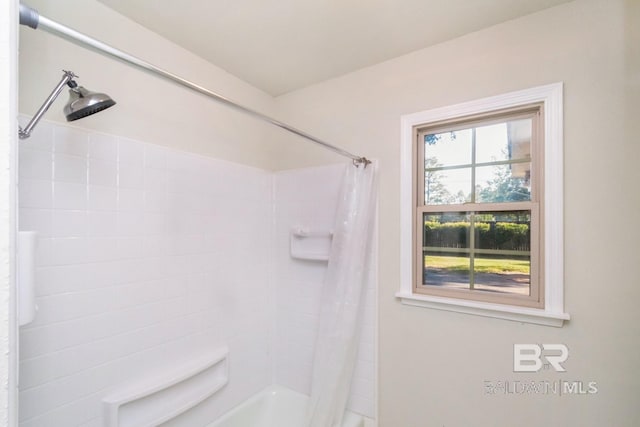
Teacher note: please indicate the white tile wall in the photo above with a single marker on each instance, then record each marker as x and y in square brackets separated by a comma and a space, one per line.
[307, 198]
[139, 257]
[147, 256]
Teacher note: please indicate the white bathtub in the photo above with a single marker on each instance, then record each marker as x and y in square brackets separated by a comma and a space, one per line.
[276, 406]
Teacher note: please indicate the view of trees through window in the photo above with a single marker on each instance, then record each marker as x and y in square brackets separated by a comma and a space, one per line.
[486, 250]
[494, 159]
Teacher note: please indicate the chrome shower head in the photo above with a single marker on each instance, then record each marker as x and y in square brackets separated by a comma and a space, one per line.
[83, 102]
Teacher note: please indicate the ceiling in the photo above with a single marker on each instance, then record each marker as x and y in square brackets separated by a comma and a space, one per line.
[283, 45]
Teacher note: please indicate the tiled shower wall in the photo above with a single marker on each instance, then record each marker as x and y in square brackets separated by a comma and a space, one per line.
[150, 256]
[307, 199]
[147, 257]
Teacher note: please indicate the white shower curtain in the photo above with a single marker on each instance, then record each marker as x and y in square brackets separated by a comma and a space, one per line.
[342, 293]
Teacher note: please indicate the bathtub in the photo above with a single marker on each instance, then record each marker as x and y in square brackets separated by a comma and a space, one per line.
[276, 406]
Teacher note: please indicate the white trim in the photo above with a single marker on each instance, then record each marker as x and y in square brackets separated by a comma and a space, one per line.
[551, 97]
[8, 217]
[479, 308]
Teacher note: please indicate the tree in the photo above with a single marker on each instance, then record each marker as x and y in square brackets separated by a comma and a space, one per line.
[435, 192]
[504, 188]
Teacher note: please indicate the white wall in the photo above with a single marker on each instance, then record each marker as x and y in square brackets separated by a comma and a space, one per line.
[148, 108]
[147, 257]
[8, 155]
[433, 363]
[307, 199]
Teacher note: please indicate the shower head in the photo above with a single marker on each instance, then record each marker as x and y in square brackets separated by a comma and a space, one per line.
[82, 103]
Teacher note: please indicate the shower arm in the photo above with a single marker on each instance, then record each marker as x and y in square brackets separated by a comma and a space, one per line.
[67, 78]
[31, 18]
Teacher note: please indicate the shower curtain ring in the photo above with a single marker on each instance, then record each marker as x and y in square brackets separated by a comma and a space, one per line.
[361, 160]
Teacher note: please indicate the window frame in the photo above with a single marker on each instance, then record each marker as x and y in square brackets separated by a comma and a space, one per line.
[549, 309]
[535, 112]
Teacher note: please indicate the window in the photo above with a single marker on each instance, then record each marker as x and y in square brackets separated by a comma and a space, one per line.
[482, 207]
[477, 208]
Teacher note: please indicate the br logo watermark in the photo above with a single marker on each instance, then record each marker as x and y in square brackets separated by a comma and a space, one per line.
[529, 357]
[532, 358]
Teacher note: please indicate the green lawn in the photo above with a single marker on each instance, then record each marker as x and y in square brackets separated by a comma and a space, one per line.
[482, 265]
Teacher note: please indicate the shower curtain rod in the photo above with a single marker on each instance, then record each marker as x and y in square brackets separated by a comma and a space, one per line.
[31, 18]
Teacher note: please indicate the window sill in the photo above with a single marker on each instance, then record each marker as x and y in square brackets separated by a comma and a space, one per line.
[498, 311]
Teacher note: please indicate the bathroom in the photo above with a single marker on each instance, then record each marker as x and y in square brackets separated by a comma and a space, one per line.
[172, 229]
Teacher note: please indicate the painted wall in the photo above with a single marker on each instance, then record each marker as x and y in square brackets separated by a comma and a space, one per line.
[139, 257]
[148, 108]
[433, 364]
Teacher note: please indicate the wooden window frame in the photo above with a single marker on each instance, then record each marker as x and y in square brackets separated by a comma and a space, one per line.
[550, 311]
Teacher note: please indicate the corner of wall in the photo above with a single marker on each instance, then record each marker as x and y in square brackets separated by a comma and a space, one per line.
[8, 181]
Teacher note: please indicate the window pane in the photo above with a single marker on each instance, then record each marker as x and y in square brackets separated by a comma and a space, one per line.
[504, 141]
[448, 148]
[507, 231]
[446, 230]
[502, 274]
[446, 270]
[446, 250]
[449, 186]
[503, 183]
[502, 260]
[499, 260]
